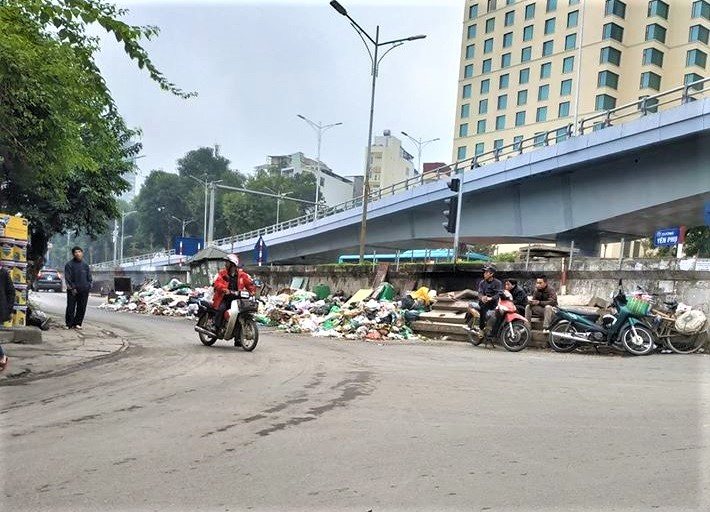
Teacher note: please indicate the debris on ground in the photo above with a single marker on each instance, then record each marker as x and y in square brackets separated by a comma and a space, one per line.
[174, 299]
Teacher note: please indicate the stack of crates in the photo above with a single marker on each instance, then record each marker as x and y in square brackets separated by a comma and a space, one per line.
[14, 239]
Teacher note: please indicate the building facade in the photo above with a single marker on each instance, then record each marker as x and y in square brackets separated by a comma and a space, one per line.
[389, 162]
[535, 66]
[334, 189]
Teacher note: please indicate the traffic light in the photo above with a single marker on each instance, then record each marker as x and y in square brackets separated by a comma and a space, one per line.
[454, 184]
[452, 205]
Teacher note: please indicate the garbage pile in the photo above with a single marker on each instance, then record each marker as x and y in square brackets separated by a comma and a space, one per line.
[372, 315]
[174, 299]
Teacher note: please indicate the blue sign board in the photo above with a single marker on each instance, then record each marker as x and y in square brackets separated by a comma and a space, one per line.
[668, 237]
[188, 246]
[707, 213]
[261, 252]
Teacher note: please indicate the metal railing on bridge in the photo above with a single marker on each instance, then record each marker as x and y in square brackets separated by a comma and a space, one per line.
[642, 107]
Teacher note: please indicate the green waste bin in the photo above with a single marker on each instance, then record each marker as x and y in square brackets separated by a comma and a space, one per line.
[322, 291]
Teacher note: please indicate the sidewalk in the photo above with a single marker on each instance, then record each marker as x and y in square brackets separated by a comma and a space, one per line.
[60, 351]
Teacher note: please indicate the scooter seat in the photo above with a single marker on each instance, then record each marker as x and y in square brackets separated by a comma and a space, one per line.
[206, 304]
[592, 314]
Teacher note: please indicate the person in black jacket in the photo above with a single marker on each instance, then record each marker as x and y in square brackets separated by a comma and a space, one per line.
[77, 275]
[488, 291]
[7, 301]
[520, 297]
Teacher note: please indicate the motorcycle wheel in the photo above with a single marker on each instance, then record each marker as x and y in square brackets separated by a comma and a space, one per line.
[474, 339]
[249, 335]
[639, 344]
[518, 339]
[559, 344]
[204, 338]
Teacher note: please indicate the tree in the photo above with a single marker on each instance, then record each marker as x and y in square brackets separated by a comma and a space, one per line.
[697, 241]
[63, 145]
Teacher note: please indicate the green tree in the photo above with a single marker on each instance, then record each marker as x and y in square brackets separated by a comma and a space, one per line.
[63, 145]
[697, 241]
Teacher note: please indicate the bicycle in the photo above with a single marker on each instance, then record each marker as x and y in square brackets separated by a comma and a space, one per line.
[669, 337]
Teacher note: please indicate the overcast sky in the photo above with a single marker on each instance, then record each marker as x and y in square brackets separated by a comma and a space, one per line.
[257, 64]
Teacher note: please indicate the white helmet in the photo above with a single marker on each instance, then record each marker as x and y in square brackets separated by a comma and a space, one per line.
[233, 258]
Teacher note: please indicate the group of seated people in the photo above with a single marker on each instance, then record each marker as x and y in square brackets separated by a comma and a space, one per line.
[541, 305]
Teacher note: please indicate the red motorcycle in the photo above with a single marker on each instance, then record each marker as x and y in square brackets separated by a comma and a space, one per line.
[510, 327]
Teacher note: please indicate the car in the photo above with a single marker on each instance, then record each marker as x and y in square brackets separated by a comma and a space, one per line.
[49, 279]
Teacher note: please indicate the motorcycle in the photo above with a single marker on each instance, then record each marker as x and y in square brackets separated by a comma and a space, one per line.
[510, 328]
[626, 327]
[239, 323]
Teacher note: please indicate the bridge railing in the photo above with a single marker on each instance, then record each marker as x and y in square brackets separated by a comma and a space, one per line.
[644, 106]
[143, 259]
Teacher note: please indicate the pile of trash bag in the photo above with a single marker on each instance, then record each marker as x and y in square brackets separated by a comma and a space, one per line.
[174, 299]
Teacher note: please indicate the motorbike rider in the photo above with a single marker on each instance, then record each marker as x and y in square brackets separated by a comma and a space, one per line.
[230, 280]
[488, 291]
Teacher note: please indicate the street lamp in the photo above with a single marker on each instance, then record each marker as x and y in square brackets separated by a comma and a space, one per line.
[206, 184]
[376, 59]
[319, 128]
[278, 201]
[124, 214]
[421, 144]
[184, 223]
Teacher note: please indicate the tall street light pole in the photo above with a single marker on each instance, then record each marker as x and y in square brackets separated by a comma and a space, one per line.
[124, 214]
[421, 144]
[376, 59]
[319, 128]
[184, 223]
[206, 184]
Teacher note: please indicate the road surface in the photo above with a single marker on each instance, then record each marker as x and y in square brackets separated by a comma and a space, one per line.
[328, 425]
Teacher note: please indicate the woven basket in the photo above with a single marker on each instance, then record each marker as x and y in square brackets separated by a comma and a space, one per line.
[638, 306]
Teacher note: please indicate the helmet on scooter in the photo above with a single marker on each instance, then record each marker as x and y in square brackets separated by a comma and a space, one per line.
[233, 258]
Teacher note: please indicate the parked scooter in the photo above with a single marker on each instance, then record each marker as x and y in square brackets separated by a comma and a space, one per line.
[510, 328]
[626, 327]
[239, 323]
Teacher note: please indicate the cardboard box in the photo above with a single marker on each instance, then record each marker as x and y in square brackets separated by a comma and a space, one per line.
[14, 227]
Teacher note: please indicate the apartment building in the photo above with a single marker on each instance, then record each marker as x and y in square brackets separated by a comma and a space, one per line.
[534, 66]
[390, 162]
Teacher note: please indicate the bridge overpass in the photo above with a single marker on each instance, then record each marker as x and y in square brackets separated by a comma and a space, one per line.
[624, 180]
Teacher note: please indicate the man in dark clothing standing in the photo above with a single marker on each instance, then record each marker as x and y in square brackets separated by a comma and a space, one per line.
[78, 278]
[488, 291]
[520, 298]
[7, 301]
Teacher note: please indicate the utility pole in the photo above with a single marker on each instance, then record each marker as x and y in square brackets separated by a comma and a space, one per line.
[206, 184]
[184, 223]
[420, 146]
[124, 214]
[210, 233]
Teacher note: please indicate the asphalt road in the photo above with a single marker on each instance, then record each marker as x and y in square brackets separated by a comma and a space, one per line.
[327, 425]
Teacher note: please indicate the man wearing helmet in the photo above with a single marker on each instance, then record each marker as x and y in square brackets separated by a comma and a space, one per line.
[230, 280]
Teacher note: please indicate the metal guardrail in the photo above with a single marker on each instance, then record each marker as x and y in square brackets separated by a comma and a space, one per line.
[647, 105]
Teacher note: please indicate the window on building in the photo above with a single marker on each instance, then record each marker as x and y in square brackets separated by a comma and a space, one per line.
[567, 64]
[550, 26]
[463, 130]
[473, 12]
[508, 40]
[543, 93]
[650, 80]
[523, 97]
[540, 139]
[524, 76]
[466, 91]
[470, 51]
[608, 79]
[609, 55]
[546, 70]
[502, 102]
[461, 153]
[573, 19]
[500, 123]
[652, 56]
[604, 102]
[509, 18]
[655, 32]
[571, 42]
[701, 9]
[526, 54]
[698, 33]
[488, 45]
[528, 33]
[498, 143]
[471, 32]
[547, 48]
[481, 126]
[615, 8]
[490, 25]
[487, 66]
[468, 71]
[574, 2]
[517, 142]
[483, 107]
[551, 5]
[520, 118]
[504, 81]
[492, 5]
[566, 87]
[485, 86]
[696, 58]
[465, 110]
[479, 148]
[613, 31]
[651, 105]
[529, 11]
[693, 77]
[509, 2]
[505, 60]
[541, 114]
[561, 134]
[563, 110]
[658, 8]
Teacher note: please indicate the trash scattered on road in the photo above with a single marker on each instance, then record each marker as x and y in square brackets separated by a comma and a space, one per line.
[174, 299]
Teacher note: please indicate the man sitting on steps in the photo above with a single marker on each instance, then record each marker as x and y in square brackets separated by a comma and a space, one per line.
[543, 303]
